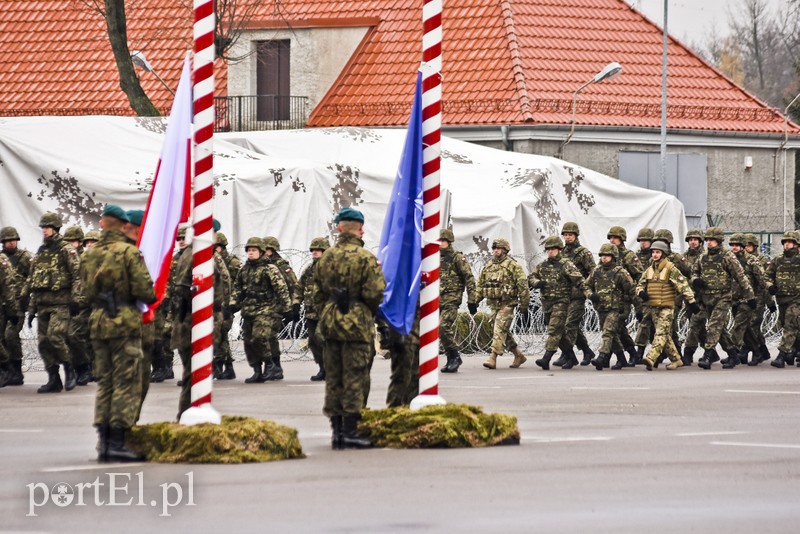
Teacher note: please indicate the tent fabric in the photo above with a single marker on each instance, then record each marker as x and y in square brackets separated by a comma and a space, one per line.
[291, 183]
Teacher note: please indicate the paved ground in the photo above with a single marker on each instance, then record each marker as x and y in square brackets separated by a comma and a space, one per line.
[617, 452]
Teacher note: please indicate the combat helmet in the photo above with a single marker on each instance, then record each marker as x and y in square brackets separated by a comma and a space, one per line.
[501, 243]
[553, 242]
[319, 243]
[182, 232]
[73, 233]
[446, 234]
[607, 249]
[256, 242]
[751, 239]
[715, 232]
[663, 235]
[92, 235]
[617, 231]
[645, 234]
[9, 233]
[272, 242]
[737, 239]
[660, 245]
[789, 236]
[221, 240]
[570, 228]
[53, 220]
[695, 233]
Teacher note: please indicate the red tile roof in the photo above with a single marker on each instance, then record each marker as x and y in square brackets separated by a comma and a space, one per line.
[505, 62]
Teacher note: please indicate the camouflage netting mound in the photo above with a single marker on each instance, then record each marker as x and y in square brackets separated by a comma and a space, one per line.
[237, 440]
[447, 426]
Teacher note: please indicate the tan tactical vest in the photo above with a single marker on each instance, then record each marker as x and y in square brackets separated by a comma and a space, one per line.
[662, 292]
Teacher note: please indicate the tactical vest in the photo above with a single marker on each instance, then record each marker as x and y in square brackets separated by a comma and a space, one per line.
[787, 276]
[572, 253]
[499, 283]
[49, 272]
[714, 273]
[449, 278]
[661, 291]
[605, 285]
[557, 285]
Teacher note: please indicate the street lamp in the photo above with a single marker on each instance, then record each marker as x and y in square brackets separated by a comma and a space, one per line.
[608, 72]
[140, 61]
[783, 147]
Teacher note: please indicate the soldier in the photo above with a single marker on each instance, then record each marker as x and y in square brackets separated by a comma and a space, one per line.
[90, 239]
[645, 239]
[20, 259]
[502, 283]
[233, 264]
[116, 277]
[55, 289]
[696, 334]
[555, 278]
[610, 285]
[784, 274]
[766, 301]
[9, 313]
[263, 298]
[742, 313]
[714, 277]
[318, 246]
[404, 379]
[455, 276]
[582, 258]
[80, 349]
[659, 288]
[349, 289]
[275, 371]
[617, 235]
[163, 354]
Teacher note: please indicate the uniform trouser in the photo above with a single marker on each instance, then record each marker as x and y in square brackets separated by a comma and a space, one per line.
[555, 317]
[224, 343]
[610, 327]
[80, 349]
[315, 342]
[696, 334]
[185, 400]
[347, 366]
[646, 330]
[789, 317]
[448, 317]
[118, 364]
[662, 340]
[754, 336]
[163, 328]
[625, 336]
[742, 320]
[13, 343]
[365, 386]
[718, 310]
[53, 327]
[148, 344]
[404, 382]
[5, 357]
[502, 339]
[218, 349]
[574, 333]
[258, 332]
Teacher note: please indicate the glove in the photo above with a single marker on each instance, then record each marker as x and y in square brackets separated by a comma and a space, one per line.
[773, 289]
[13, 319]
[227, 312]
[752, 304]
[595, 298]
[698, 284]
[772, 307]
[524, 319]
[296, 312]
[74, 309]
[540, 284]
[644, 296]
[639, 316]
[31, 317]
[288, 317]
[24, 302]
[311, 324]
[472, 307]
[693, 308]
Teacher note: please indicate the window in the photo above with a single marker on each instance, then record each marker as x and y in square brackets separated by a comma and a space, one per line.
[272, 80]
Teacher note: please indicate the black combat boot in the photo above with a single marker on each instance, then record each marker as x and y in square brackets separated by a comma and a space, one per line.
[588, 354]
[455, 361]
[17, 378]
[544, 361]
[446, 367]
[84, 374]
[70, 377]
[274, 369]
[5, 374]
[54, 384]
[743, 353]
[336, 437]
[789, 359]
[763, 354]
[780, 360]
[257, 377]
[350, 437]
[102, 443]
[632, 355]
[159, 373]
[170, 373]
[572, 360]
[600, 360]
[621, 361]
[228, 373]
[562, 359]
[688, 355]
[732, 360]
[320, 376]
[117, 450]
[709, 357]
[216, 368]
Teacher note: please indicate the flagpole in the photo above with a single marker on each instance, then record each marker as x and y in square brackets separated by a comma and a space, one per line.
[201, 410]
[431, 163]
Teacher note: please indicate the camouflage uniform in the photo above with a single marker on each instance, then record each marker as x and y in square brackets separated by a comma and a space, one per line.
[696, 333]
[645, 234]
[233, 264]
[275, 371]
[9, 313]
[582, 258]
[455, 276]
[755, 336]
[404, 380]
[784, 274]
[611, 285]
[80, 348]
[502, 283]
[629, 260]
[556, 278]
[742, 312]
[311, 315]
[163, 352]
[20, 260]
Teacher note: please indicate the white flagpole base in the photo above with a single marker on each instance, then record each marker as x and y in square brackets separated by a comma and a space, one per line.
[420, 401]
[197, 415]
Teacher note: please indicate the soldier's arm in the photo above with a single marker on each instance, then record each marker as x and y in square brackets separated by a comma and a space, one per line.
[587, 260]
[374, 284]
[73, 263]
[576, 278]
[590, 281]
[762, 282]
[479, 285]
[465, 272]
[305, 282]
[682, 265]
[223, 277]
[295, 293]
[139, 278]
[681, 285]
[8, 289]
[280, 287]
[523, 292]
[735, 268]
[642, 284]
[534, 277]
[634, 266]
[627, 286]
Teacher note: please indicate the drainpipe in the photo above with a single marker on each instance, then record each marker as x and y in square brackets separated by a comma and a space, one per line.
[506, 141]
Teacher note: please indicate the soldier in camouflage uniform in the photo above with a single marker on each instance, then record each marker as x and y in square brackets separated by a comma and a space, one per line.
[55, 289]
[80, 349]
[455, 276]
[404, 378]
[163, 354]
[696, 334]
[90, 239]
[349, 289]
[275, 371]
[783, 273]
[233, 264]
[20, 259]
[116, 277]
[714, 278]
[556, 278]
[755, 336]
[617, 235]
[742, 313]
[582, 258]
[659, 288]
[315, 344]
[263, 298]
[502, 283]
[645, 238]
[611, 285]
[9, 314]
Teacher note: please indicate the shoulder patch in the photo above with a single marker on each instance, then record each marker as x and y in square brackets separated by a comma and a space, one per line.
[73, 252]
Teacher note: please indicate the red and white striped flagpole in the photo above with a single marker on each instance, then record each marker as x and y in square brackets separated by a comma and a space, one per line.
[431, 163]
[201, 410]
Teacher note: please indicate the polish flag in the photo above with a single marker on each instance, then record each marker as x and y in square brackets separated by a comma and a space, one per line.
[169, 202]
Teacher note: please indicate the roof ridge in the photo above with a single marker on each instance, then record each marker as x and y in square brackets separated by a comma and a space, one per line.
[516, 61]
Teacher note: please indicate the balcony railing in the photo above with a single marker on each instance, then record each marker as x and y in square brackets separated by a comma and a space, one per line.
[260, 112]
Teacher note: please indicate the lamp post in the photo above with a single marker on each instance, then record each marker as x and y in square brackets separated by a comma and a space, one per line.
[608, 72]
[663, 173]
[140, 61]
[783, 146]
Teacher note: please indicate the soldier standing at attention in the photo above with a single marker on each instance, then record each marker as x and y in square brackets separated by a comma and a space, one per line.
[307, 287]
[115, 277]
[455, 276]
[20, 260]
[502, 283]
[274, 370]
[765, 302]
[263, 298]
[659, 288]
[55, 289]
[784, 273]
[555, 278]
[80, 349]
[582, 258]
[743, 313]
[630, 261]
[233, 264]
[714, 277]
[9, 313]
[696, 334]
[163, 353]
[350, 288]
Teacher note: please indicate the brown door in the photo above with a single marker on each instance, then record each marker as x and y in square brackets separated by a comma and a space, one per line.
[272, 80]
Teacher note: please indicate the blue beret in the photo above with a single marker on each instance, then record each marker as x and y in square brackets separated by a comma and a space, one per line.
[112, 210]
[349, 214]
[217, 225]
[135, 216]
